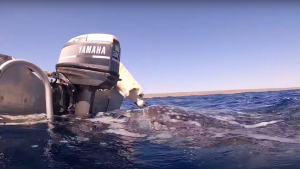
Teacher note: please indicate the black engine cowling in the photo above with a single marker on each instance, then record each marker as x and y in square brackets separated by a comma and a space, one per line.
[91, 60]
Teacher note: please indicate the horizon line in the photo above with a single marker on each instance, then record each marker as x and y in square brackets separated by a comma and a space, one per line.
[213, 92]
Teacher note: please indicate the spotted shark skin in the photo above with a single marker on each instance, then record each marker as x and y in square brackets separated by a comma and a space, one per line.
[178, 126]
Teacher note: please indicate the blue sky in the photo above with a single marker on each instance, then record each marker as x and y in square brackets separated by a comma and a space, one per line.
[168, 46]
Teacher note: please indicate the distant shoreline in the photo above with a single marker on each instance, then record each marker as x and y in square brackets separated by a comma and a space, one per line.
[178, 94]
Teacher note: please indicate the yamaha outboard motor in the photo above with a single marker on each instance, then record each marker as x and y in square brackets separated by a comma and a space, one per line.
[87, 63]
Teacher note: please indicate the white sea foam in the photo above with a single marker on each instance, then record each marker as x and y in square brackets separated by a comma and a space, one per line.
[123, 132]
[228, 119]
[164, 135]
[262, 124]
[24, 119]
[274, 138]
[81, 139]
[63, 141]
[100, 114]
[24, 123]
[231, 119]
[239, 112]
[224, 118]
[107, 120]
[195, 123]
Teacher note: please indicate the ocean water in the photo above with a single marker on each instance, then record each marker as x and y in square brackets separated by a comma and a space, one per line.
[247, 131]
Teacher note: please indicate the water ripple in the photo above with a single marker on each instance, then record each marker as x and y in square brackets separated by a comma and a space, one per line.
[248, 130]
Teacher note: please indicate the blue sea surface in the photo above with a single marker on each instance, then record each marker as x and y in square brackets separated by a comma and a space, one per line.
[247, 131]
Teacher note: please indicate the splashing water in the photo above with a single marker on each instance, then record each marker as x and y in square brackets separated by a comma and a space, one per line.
[249, 130]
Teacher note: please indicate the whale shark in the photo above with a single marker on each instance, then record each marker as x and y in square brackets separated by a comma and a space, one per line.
[178, 126]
